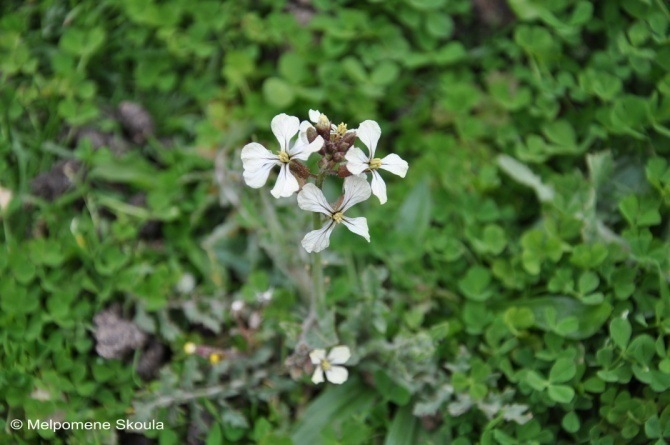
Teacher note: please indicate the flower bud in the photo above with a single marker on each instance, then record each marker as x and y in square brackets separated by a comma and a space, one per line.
[350, 138]
[300, 170]
[311, 134]
[343, 146]
[323, 126]
[338, 157]
[342, 171]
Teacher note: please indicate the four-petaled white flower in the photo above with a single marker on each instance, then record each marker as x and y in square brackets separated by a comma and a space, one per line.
[328, 365]
[358, 162]
[258, 160]
[356, 189]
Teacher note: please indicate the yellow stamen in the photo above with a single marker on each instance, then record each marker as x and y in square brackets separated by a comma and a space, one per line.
[375, 163]
[283, 157]
[325, 365]
[338, 217]
[341, 129]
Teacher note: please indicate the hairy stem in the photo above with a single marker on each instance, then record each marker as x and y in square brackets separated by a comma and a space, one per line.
[319, 294]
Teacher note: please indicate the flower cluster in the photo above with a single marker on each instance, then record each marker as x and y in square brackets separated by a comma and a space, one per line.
[339, 157]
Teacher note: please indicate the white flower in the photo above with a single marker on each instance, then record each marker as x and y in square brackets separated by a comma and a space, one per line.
[358, 162]
[328, 365]
[258, 160]
[356, 189]
[237, 306]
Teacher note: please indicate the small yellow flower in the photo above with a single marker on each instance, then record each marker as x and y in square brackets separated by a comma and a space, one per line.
[215, 358]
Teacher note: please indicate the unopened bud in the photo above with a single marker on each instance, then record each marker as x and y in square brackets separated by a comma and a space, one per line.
[349, 138]
[323, 163]
[343, 146]
[323, 127]
[338, 157]
[300, 170]
[342, 171]
[311, 134]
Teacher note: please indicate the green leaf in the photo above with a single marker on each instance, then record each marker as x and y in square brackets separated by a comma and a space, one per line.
[385, 73]
[639, 213]
[561, 132]
[439, 25]
[391, 390]
[278, 92]
[426, 5]
[561, 393]
[652, 428]
[588, 282]
[642, 349]
[587, 319]
[523, 175]
[620, 331]
[571, 422]
[588, 256]
[535, 380]
[475, 283]
[563, 370]
[403, 428]
[215, 436]
[334, 405]
[414, 215]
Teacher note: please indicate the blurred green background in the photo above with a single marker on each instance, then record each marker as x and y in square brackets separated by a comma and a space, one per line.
[516, 287]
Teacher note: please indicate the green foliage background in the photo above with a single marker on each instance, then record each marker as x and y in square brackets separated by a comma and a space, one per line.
[521, 267]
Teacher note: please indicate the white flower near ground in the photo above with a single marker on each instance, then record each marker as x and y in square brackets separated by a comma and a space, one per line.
[258, 161]
[358, 162]
[329, 365]
[311, 198]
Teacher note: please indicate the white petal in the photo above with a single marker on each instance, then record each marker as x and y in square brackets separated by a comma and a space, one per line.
[369, 132]
[337, 375]
[301, 151]
[286, 184]
[284, 127]
[317, 377]
[378, 187]
[356, 189]
[339, 355]
[304, 126]
[314, 115]
[317, 240]
[255, 156]
[357, 225]
[317, 355]
[311, 198]
[257, 178]
[395, 164]
[358, 161]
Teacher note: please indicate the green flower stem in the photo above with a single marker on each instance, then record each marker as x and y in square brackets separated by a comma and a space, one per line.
[319, 293]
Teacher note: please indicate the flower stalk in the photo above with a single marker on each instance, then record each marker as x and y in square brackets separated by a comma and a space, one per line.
[318, 302]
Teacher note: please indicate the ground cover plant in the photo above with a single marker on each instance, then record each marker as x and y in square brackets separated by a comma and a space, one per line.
[515, 289]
